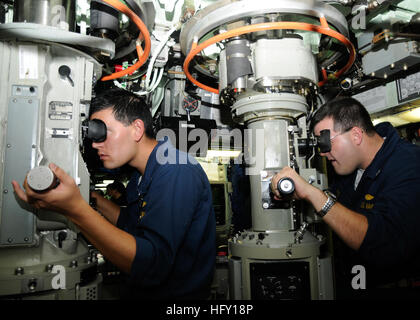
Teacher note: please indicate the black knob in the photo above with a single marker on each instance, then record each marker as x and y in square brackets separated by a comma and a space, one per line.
[64, 71]
[62, 235]
[286, 186]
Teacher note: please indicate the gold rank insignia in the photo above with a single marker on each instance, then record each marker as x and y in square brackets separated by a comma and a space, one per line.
[142, 212]
[367, 204]
[369, 197]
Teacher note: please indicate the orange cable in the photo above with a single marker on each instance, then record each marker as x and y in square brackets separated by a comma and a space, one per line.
[324, 29]
[144, 34]
[324, 77]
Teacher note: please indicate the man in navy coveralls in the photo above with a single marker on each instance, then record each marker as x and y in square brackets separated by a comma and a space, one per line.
[164, 240]
[376, 215]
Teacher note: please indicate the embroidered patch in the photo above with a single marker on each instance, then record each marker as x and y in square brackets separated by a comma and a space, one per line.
[369, 197]
[366, 205]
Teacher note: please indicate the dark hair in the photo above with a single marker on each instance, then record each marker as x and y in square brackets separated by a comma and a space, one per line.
[117, 185]
[346, 113]
[126, 106]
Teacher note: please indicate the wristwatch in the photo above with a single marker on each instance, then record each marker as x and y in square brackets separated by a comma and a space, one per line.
[328, 204]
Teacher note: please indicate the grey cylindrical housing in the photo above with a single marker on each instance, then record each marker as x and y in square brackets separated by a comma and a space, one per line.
[41, 179]
[238, 62]
[54, 13]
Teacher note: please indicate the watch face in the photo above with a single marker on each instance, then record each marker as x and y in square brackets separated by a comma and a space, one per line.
[330, 194]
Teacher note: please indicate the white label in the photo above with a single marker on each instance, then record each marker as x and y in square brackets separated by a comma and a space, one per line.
[28, 62]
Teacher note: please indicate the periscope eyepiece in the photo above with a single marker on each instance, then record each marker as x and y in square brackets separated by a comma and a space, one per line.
[94, 130]
[324, 141]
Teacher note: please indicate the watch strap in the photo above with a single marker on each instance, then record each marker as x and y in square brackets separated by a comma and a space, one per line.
[331, 199]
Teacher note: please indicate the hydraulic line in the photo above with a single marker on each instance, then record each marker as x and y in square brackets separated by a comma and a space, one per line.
[323, 28]
[144, 34]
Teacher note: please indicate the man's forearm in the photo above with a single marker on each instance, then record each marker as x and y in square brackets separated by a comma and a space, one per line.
[115, 244]
[108, 209]
[349, 225]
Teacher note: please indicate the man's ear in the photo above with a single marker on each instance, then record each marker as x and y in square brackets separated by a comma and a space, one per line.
[139, 129]
[357, 135]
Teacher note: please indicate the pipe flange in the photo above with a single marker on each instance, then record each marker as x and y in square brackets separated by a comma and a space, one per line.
[259, 106]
